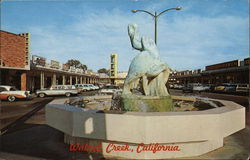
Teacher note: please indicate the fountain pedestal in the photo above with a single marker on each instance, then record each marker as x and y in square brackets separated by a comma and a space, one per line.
[194, 132]
[139, 103]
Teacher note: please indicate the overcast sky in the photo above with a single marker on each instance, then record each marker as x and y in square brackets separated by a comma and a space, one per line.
[204, 32]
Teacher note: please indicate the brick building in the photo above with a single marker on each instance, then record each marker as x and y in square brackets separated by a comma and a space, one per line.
[16, 68]
[14, 59]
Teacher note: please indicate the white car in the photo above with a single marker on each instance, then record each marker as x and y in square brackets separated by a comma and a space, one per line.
[66, 90]
[86, 87]
[178, 86]
[96, 87]
[93, 87]
[200, 88]
[242, 88]
[10, 93]
[110, 89]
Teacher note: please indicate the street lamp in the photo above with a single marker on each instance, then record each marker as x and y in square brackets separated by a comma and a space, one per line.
[155, 17]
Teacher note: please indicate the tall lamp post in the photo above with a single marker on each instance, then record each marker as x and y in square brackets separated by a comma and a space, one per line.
[156, 17]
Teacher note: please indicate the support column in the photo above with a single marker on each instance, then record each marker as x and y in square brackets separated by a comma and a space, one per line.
[76, 80]
[24, 81]
[85, 80]
[42, 80]
[81, 79]
[54, 79]
[63, 80]
[70, 80]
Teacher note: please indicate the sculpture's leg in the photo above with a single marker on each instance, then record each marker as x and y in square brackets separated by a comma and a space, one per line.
[129, 86]
[126, 89]
[157, 87]
[165, 76]
[135, 83]
[145, 85]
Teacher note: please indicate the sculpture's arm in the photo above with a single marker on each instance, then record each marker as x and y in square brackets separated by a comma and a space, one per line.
[134, 37]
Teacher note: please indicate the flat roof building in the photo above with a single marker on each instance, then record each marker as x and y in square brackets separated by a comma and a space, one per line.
[236, 71]
[14, 58]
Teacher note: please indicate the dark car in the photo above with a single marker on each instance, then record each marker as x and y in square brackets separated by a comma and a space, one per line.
[187, 88]
[226, 88]
[230, 88]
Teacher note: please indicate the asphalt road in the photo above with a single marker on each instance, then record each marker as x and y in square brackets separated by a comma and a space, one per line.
[15, 114]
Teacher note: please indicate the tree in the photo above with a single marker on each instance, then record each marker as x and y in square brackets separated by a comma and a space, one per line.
[77, 64]
[103, 70]
[84, 67]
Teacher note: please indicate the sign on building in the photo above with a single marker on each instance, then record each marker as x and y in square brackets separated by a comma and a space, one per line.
[65, 67]
[37, 60]
[79, 70]
[229, 64]
[54, 64]
[72, 69]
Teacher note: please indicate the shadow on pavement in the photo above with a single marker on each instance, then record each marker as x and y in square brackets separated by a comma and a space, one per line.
[41, 141]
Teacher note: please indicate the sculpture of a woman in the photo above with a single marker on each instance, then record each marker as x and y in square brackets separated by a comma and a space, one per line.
[146, 69]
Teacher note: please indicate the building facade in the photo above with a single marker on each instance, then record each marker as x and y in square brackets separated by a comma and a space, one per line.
[17, 69]
[236, 71]
[14, 58]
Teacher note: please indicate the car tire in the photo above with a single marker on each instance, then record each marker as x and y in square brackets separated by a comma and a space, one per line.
[11, 98]
[41, 95]
[67, 94]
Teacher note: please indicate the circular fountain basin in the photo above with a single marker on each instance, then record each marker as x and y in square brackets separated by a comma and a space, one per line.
[150, 135]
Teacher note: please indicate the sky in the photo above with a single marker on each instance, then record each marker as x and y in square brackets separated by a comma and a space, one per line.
[204, 32]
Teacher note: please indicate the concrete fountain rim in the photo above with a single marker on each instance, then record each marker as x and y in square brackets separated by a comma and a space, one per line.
[227, 106]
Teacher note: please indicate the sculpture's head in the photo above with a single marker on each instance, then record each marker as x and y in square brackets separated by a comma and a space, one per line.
[132, 29]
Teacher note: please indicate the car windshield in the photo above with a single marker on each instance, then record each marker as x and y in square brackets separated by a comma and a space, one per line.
[2, 89]
[13, 89]
[242, 85]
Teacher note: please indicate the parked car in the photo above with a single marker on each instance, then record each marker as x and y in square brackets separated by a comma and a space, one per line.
[230, 88]
[200, 87]
[225, 87]
[178, 86]
[100, 86]
[110, 89]
[10, 93]
[171, 86]
[82, 87]
[187, 88]
[219, 88]
[94, 87]
[243, 88]
[212, 87]
[66, 90]
[86, 87]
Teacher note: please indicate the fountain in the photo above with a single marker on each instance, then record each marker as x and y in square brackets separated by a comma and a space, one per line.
[145, 85]
[144, 121]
